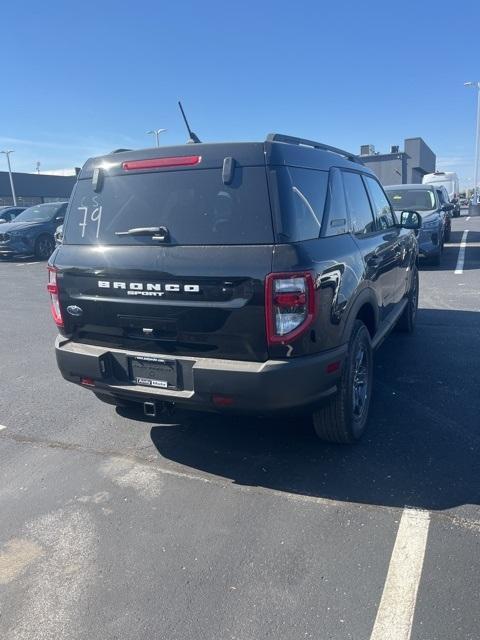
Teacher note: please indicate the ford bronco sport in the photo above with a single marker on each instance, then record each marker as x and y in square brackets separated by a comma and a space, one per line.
[252, 277]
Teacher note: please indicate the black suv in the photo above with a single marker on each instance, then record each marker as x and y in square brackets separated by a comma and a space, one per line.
[232, 277]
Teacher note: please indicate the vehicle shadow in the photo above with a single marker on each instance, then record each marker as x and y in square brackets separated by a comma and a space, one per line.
[422, 448]
[450, 253]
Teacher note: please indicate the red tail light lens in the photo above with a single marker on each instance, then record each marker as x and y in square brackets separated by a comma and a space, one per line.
[158, 163]
[289, 305]
[52, 288]
[222, 401]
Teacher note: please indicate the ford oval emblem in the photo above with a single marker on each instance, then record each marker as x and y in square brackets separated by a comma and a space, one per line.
[73, 310]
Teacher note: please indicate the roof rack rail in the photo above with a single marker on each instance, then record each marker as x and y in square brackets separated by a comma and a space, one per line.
[280, 137]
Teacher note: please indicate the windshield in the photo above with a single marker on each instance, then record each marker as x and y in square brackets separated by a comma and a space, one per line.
[39, 213]
[416, 199]
[195, 207]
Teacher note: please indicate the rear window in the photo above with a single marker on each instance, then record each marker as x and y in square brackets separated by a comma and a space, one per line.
[194, 205]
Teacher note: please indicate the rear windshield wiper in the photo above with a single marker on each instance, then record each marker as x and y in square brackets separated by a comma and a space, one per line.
[157, 233]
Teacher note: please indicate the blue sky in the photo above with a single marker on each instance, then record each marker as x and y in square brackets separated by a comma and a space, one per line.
[82, 78]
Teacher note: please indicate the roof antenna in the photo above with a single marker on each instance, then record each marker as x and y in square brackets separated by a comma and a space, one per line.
[193, 136]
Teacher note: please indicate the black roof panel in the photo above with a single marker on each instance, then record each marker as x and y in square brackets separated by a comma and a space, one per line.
[271, 152]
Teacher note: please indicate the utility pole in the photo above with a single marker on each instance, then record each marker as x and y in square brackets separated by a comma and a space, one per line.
[476, 85]
[7, 153]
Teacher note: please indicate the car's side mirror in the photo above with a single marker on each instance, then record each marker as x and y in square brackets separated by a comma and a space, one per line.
[410, 220]
[448, 207]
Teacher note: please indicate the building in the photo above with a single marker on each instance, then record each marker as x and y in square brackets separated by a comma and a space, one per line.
[400, 167]
[61, 172]
[33, 188]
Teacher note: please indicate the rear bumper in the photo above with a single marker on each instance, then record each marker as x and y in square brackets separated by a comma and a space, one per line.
[259, 387]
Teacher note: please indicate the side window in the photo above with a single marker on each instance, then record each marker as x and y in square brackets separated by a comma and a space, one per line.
[440, 196]
[358, 203]
[302, 201]
[336, 220]
[381, 205]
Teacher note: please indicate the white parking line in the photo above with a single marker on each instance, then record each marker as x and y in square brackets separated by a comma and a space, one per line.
[2, 427]
[468, 218]
[461, 254]
[395, 614]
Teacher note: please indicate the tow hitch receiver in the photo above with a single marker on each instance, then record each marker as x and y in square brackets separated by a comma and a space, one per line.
[150, 409]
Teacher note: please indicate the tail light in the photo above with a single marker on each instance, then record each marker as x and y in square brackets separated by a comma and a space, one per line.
[289, 305]
[52, 288]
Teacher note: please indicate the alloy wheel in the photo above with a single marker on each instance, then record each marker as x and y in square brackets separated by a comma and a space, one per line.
[45, 247]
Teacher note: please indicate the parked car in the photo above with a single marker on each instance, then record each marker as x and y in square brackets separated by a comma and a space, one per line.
[8, 214]
[424, 199]
[449, 180]
[444, 199]
[31, 233]
[252, 277]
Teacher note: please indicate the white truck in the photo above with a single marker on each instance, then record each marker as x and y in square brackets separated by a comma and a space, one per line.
[449, 180]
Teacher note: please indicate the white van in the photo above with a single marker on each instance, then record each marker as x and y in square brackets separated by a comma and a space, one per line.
[449, 180]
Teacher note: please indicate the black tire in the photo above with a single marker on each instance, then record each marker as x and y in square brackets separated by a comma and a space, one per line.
[456, 214]
[44, 247]
[447, 234]
[344, 418]
[406, 322]
[436, 258]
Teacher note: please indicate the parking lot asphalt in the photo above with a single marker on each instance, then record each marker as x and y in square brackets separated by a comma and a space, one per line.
[206, 527]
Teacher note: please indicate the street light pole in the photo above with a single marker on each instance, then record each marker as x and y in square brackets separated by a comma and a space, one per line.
[467, 188]
[156, 133]
[476, 84]
[7, 153]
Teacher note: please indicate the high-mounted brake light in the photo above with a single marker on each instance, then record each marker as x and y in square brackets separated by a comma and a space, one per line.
[52, 288]
[289, 305]
[158, 163]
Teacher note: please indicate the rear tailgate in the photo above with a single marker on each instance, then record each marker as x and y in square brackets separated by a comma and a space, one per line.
[205, 301]
[199, 293]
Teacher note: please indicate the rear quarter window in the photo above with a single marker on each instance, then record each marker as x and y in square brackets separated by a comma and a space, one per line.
[301, 203]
